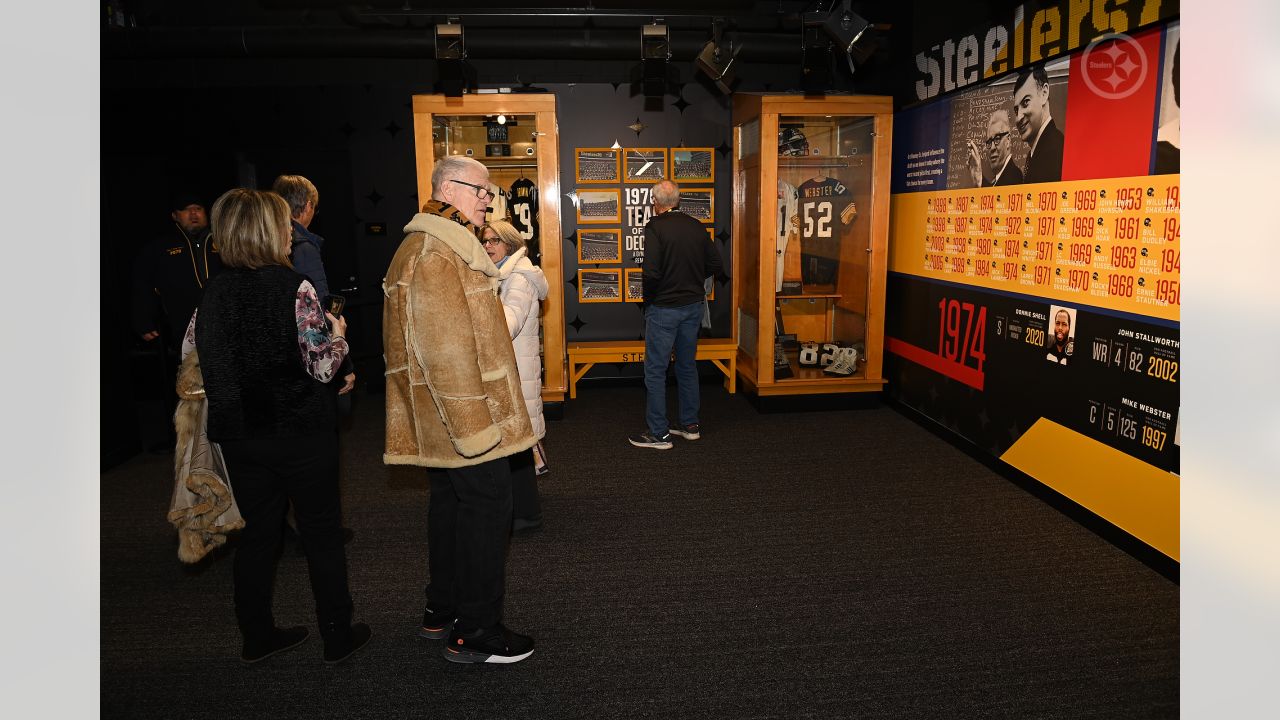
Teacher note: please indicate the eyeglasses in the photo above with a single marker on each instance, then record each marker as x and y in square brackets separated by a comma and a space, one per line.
[995, 139]
[482, 192]
[492, 241]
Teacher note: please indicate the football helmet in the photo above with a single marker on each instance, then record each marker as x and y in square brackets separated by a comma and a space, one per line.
[792, 142]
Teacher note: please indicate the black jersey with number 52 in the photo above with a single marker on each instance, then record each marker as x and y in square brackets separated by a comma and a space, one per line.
[822, 203]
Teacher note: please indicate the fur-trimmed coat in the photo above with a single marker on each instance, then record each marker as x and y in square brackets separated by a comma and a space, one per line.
[453, 391]
[202, 508]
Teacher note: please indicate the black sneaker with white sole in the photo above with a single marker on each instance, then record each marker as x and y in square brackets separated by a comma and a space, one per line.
[692, 431]
[489, 645]
[647, 440]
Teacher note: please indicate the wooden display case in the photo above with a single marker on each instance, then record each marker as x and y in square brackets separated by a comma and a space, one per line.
[810, 238]
[531, 150]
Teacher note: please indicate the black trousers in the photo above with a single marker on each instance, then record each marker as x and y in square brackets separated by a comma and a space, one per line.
[266, 475]
[468, 524]
[524, 487]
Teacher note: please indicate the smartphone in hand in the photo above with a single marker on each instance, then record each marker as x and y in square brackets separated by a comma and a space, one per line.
[334, 304]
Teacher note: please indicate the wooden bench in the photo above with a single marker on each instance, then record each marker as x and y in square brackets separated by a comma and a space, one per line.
[722, 352]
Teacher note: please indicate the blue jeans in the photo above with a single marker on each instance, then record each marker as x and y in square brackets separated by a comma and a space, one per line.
[667, 329]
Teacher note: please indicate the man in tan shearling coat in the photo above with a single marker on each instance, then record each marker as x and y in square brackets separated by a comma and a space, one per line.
[454, 406]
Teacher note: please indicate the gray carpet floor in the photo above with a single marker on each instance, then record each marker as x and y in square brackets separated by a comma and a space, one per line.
[806, 565]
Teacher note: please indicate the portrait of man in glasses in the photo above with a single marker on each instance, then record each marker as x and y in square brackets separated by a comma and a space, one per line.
[997, 149]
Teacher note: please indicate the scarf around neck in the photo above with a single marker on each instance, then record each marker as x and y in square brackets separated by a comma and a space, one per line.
[450, 212]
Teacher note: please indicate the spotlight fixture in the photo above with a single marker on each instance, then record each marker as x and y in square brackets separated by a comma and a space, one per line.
[716, 60]
[845, 27]
[823, 32]
[655, 52]
[450, 42]
[451, 54]
[816, 56]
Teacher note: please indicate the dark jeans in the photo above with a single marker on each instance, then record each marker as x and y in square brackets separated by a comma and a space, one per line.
[468, 523]
[267, 474]
[667, 329]
[524, 487]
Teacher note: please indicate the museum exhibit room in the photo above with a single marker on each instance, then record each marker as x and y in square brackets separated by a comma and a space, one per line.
[764, 359]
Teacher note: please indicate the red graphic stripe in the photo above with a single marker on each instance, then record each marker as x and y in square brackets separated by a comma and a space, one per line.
[935, 362]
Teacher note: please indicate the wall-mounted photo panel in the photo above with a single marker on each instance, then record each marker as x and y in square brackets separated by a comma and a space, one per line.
[600, 206]
[635, 286]
[597, 165]
[599, 246]
[698, 203]
[600, 285]
[693, 164]
[645, 165]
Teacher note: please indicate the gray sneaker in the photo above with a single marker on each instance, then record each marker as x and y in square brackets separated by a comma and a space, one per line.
[647, 440]
[692, 431]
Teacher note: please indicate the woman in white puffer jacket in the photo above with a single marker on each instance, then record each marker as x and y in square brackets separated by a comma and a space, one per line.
[522, 290]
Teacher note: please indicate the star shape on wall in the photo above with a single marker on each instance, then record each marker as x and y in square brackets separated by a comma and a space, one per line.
[724, 148]
[572, 239]
[680, 104]
[392, 128]
[577, 324]
[637, 126]
[374, 197]
[346, 129]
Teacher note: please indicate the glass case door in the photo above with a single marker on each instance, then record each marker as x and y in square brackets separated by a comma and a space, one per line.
[823, 244]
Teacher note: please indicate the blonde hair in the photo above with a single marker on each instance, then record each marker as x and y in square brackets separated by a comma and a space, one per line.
[507, 233]
[251, 228]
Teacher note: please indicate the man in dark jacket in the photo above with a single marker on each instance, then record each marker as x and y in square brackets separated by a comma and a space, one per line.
[678, 258]
[305, 255]
[169, 274]
[303, 199]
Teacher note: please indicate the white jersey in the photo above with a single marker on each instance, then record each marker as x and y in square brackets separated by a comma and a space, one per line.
[788, 207]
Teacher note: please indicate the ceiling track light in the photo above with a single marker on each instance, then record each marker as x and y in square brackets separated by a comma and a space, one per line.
[655, 52]
[716, 59]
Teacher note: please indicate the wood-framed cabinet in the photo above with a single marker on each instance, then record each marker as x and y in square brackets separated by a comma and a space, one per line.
[521, 145]
[810, 238]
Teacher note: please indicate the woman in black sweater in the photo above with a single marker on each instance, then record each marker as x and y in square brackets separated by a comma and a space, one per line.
[268, 356]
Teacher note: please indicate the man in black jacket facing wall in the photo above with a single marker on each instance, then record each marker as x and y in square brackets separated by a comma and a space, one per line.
[679, 257]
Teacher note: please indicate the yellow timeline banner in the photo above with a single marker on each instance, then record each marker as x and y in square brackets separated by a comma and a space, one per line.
[1113, 243]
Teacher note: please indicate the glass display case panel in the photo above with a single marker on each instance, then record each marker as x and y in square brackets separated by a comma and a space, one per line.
[823, 240]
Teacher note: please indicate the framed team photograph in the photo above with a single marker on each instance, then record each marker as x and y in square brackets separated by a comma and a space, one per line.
[693, 164]
[635, 286]
[600, 285]
[597, 165]
[645, 165]
[698, 203]
[600, 206]
[599, 246]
